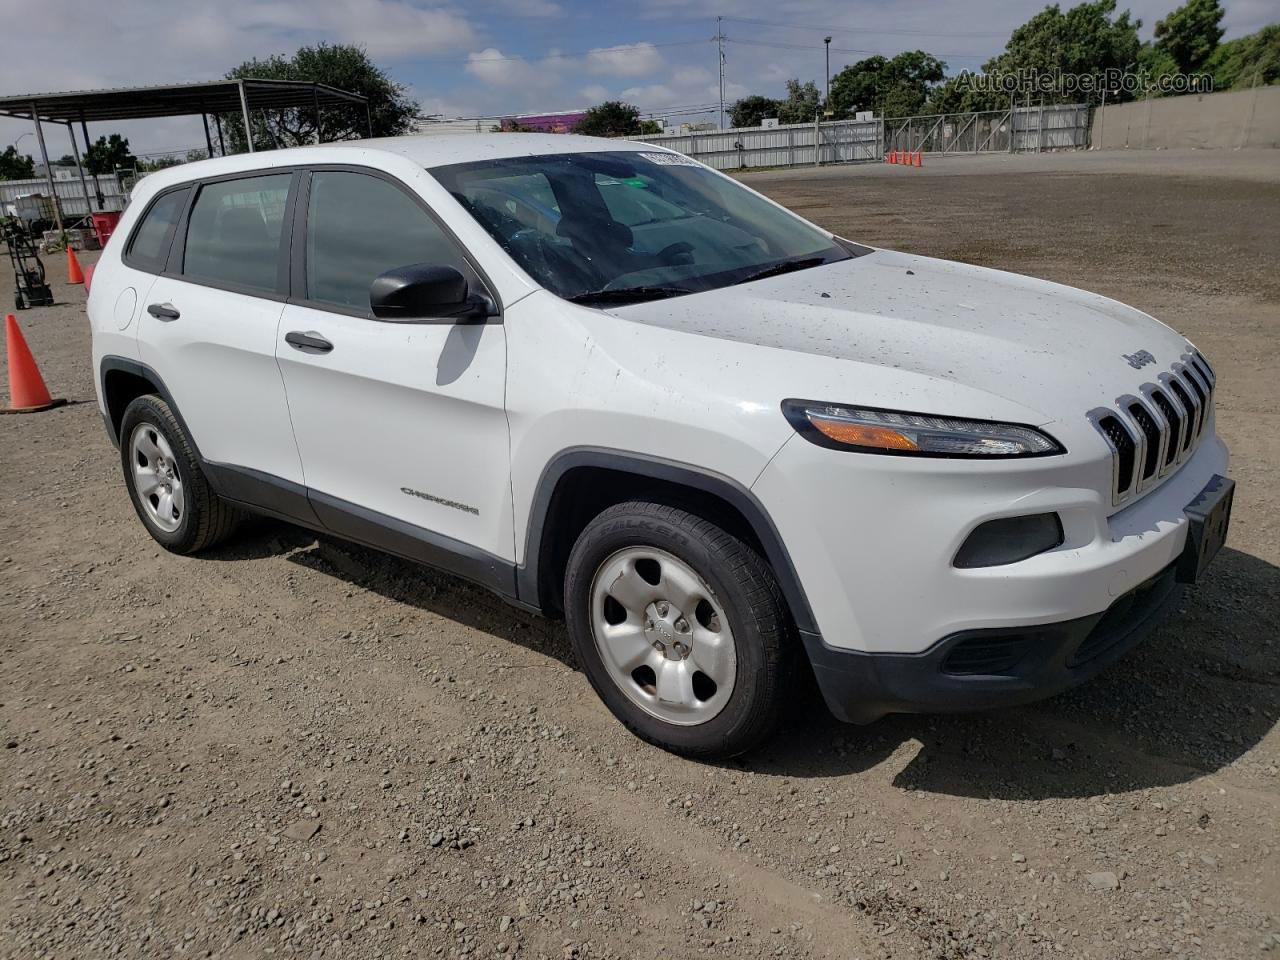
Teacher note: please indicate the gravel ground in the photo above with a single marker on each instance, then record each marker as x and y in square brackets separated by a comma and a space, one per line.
[293, 747]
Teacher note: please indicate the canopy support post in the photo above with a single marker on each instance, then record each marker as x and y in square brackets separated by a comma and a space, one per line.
[244, 113]
[75, 150]
[48, 170]
[208, 140]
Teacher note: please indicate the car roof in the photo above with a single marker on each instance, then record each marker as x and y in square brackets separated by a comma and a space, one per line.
[424, 151]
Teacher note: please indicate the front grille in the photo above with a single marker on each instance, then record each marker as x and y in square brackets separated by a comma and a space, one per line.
[1153, 432]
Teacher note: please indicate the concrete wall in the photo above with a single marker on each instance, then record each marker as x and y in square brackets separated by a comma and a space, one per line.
[1226, 121]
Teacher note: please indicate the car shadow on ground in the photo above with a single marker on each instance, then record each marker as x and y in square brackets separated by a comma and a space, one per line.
[1194, 697]
[404, 581]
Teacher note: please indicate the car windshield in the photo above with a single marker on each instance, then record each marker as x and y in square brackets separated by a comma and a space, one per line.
[624, 226]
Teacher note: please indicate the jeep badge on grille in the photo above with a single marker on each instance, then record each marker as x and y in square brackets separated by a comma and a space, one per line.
[1140, 359]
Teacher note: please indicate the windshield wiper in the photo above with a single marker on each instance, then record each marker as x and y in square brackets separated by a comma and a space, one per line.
[786, 266]
[629, 295]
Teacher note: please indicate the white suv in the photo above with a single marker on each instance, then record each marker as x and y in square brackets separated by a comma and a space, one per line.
[609, 383]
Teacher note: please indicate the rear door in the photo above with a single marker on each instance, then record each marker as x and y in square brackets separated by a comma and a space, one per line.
[401, 425]
[209, 323]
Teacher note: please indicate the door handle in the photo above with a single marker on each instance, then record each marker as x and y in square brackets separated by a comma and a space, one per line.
[309, 342]
[163, 311]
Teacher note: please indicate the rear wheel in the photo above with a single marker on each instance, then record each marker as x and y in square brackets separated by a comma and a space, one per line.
[170, 493]
[681, 629]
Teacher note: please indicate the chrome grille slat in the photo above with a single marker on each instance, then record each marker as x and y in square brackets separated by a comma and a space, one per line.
[1153, 432]
[1204, 392]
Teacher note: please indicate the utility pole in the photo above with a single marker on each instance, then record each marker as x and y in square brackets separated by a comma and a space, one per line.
[827, 102]
[720, 51]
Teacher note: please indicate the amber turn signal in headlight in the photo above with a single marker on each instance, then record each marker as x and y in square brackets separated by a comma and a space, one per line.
[870, 430]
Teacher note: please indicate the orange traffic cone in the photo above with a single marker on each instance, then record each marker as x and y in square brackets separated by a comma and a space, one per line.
[919, 159]
[893, 156]
[74, 273]
[27, 392]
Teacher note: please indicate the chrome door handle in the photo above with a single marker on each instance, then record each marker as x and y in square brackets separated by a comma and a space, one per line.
[308, 342]
[163, 311]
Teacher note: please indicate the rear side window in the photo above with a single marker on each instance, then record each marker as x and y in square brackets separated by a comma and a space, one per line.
[360, 226]
[233, 238]
[150, 244]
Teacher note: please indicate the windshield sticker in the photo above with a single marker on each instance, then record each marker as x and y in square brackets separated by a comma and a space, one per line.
[669, 159]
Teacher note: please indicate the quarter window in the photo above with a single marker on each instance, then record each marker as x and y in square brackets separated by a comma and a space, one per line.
[359, 227]
[234, 233]
[150, 243]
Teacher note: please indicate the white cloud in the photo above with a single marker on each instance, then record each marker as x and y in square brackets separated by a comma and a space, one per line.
[594, 93]
[388, 28]
[495, 68]
[626, 60]
[534, 8]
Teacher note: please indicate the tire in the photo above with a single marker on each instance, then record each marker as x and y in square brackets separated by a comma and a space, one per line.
[196, 518]
[735, 598]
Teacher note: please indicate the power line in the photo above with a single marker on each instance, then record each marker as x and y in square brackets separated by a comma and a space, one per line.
[811, 47]
[864, 30]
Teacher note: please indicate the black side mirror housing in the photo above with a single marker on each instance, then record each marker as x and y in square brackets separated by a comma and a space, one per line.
[426, 291]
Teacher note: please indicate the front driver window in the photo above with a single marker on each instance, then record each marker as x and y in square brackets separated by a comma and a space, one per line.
[360, 226]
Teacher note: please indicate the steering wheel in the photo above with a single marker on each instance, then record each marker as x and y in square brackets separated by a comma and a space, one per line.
[676, 254]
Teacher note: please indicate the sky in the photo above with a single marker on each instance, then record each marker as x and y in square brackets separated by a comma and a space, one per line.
[503, 57]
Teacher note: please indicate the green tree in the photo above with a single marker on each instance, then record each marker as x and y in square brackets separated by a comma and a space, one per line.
[649, 128]
[802, 104]
[1190, 34]
[959, 94]
[1087, 39]
[344, 66]
[896, 87]
[16, 166]
[613, 118]
[1246, 61]
[107, 154]
[749, 111]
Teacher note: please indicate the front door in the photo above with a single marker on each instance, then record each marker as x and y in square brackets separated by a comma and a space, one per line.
[401, 425]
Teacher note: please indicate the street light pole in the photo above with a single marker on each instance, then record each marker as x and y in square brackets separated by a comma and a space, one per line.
[720, 51]
[826, 42]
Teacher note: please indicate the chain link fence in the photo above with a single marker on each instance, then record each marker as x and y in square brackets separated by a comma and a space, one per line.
[1016, 130]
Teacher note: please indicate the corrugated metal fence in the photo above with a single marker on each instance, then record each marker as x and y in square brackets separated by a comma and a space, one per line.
[1024, 129]
[70, 193]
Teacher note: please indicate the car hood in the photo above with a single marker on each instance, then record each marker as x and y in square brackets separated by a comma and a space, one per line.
[1037, 343]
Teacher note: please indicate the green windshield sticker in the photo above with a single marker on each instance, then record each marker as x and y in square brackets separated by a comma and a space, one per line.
[635, 182]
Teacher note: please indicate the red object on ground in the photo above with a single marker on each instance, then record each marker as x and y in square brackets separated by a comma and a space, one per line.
[104, 224]
[27, 392]
[74, 273]
[88, 276]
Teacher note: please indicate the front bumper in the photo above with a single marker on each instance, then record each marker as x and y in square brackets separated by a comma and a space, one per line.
[987, 668]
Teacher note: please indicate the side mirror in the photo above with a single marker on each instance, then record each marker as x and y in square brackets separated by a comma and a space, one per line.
[426, 291]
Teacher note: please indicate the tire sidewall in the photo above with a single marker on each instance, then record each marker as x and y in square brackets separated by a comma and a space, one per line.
[750, 691]
[155, 413]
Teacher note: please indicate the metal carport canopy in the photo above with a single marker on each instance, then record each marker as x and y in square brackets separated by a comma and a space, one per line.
[215, 97]
[173, 100]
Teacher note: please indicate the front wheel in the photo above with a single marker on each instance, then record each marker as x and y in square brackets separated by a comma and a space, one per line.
[681, 629]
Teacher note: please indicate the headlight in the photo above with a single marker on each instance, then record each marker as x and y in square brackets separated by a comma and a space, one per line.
[914, 434]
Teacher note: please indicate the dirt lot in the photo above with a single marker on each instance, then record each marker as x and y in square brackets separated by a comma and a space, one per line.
[295, 747]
